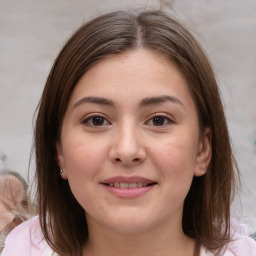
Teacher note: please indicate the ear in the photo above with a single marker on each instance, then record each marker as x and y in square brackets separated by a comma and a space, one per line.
[60, 160]
[204, 153]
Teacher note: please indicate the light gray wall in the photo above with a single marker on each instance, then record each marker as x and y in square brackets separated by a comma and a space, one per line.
[32, 32]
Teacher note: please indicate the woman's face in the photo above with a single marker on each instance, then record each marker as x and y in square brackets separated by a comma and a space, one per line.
[130, 142]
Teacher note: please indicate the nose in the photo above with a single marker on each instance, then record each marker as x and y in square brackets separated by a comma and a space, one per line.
[127, 147]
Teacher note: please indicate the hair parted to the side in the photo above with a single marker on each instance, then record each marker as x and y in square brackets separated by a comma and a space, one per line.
[207, 205]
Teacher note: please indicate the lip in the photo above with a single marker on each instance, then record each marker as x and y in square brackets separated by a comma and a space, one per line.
[126, 179]
[128, 192]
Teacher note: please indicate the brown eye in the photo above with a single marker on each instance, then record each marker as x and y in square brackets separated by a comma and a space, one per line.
[95, 121]
[160, 120]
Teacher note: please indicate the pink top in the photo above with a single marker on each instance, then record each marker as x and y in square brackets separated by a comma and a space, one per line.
[27, 240]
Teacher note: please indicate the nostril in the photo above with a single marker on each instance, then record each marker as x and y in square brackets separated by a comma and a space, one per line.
[135, 160]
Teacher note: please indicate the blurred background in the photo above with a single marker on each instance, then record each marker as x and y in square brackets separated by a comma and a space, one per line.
[32, 32]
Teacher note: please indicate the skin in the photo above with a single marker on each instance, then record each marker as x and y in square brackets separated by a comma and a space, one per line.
[159, 140]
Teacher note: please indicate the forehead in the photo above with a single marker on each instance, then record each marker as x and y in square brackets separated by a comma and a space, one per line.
[137, 72]
[134, 61]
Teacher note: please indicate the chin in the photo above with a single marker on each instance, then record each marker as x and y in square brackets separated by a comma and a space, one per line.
[130, 225]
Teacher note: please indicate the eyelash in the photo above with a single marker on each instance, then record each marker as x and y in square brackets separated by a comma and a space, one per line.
[163, 117]
[166, 118]
[88, 121]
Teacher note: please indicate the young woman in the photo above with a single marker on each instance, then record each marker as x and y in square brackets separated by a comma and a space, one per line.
[132, 149]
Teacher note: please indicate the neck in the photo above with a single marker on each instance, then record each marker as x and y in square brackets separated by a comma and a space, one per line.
[160, 241]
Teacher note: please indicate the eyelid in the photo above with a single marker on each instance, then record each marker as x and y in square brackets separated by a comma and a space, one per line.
[87, 118]
[164, 115]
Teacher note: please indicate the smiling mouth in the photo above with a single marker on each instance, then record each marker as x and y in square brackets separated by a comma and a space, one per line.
[129, 185]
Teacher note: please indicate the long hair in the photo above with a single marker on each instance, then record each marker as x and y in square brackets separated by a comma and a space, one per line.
[207, 205]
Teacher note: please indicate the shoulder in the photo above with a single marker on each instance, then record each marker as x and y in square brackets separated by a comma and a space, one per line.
[240, 245]
[26, 239]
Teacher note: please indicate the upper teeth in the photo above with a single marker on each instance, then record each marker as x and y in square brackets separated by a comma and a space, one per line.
[128, 185]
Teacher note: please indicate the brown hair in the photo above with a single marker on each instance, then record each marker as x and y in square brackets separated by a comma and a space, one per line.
[207, 205]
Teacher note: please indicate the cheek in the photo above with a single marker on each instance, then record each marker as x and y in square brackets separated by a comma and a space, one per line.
[175, 160]
[82, 165]
[176, 151]
[82, 157]
[79, 161]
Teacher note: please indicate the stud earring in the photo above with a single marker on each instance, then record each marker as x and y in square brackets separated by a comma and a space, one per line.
[61, 171]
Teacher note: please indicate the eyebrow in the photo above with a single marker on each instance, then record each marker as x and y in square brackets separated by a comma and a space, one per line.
[158, 100]
[96, 100]
[144, 103]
